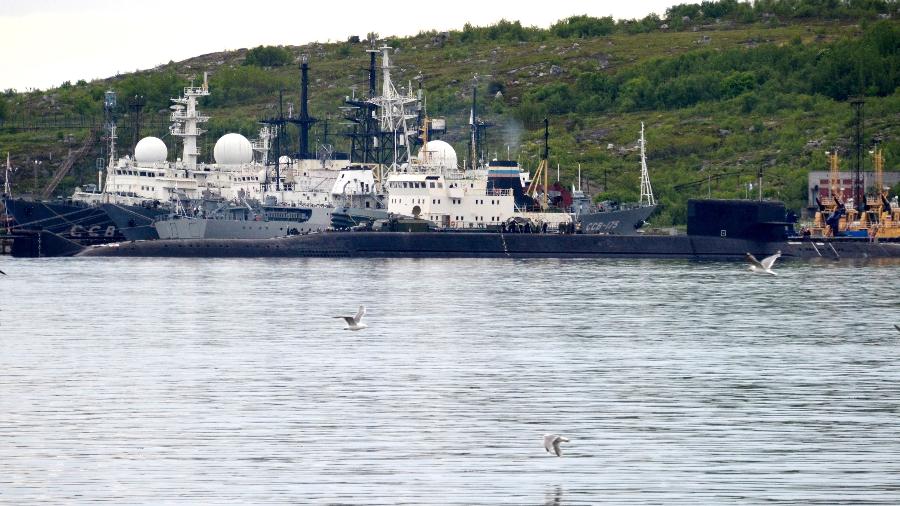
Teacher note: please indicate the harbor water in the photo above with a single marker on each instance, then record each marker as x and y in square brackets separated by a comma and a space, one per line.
[190, 381]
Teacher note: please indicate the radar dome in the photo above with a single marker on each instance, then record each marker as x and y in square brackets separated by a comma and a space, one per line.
[233, 149]
[150, 150]
[439, 153]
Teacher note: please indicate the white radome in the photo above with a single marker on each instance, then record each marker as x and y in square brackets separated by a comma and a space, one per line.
[439, 153]
[233, 149]
[150, 150]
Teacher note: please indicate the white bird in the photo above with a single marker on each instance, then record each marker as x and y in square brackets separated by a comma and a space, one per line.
[764, 267]
[551, 441]
[353, 321]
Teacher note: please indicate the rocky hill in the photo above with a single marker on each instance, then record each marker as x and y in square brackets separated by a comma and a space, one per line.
[723, 88]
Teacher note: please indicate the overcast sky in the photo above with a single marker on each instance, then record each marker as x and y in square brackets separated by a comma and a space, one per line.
[46, 42]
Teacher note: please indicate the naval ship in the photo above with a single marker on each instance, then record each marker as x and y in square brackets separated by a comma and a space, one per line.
[717, 230]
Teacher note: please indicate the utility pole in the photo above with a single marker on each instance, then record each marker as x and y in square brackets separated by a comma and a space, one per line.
[759, 174]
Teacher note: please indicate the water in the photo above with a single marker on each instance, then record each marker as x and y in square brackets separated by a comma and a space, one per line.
[227, 381]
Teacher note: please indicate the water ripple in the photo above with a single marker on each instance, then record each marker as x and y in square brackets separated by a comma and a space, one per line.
[228, 382]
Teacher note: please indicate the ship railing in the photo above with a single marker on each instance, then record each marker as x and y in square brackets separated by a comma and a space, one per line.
[498, 192]
[462, 224]
[184, 116]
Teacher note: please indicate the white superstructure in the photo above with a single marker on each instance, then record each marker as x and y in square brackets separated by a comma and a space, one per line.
[434, 188]
[240, 172]
[185, 121]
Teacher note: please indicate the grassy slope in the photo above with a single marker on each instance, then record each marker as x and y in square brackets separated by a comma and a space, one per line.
[684, 145]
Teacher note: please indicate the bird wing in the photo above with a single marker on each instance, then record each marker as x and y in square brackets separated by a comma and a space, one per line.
[753, 261]
[1, 272]
[548, 441]
[349, 319]
[769, 261]
[360, 314]
[556, 447]
[897, 327]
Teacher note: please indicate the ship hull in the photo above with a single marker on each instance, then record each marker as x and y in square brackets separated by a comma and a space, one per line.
[618, 222]
[75, 224]
[492, 245]
[316, 219]
[135, 222]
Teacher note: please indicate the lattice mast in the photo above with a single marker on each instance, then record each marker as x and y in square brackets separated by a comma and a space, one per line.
[395, 111]
[646, 189]
[185, 118]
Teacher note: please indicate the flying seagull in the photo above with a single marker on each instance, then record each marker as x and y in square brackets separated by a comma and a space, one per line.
[353, 321]
[552, 441]
[764, 267]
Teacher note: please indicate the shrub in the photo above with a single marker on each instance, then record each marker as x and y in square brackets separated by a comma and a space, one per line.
[268, 56]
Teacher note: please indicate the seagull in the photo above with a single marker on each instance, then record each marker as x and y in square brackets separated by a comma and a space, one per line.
[353, 321]
[897, 327]
[764, 267]
[552, 441]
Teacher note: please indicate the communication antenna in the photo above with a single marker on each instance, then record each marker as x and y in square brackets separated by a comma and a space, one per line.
[135, 111]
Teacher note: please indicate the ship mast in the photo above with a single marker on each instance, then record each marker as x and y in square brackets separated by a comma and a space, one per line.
[6, 190]
[878, 159]
[109, 106]
[185, 120]
[394, 112]
[542, 170]
[833, 175]
[646, 189]
[473, 141]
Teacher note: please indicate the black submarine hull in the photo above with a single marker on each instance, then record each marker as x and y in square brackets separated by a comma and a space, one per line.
[493, 245]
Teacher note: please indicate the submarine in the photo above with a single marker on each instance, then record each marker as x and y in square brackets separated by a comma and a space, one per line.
[717, 230]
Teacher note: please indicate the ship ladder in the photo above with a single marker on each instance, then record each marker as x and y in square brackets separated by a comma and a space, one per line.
[503, 241]
[815, 248]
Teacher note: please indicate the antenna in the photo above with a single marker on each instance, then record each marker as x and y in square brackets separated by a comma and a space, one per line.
[136, 108]
[579, 177]
[646, 189]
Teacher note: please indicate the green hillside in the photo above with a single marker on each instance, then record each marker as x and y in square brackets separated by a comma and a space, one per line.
[723, 89]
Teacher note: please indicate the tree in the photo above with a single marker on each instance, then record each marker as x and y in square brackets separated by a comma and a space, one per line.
[268, 56]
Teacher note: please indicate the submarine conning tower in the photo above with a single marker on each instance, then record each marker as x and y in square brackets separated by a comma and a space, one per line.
[738, 219]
